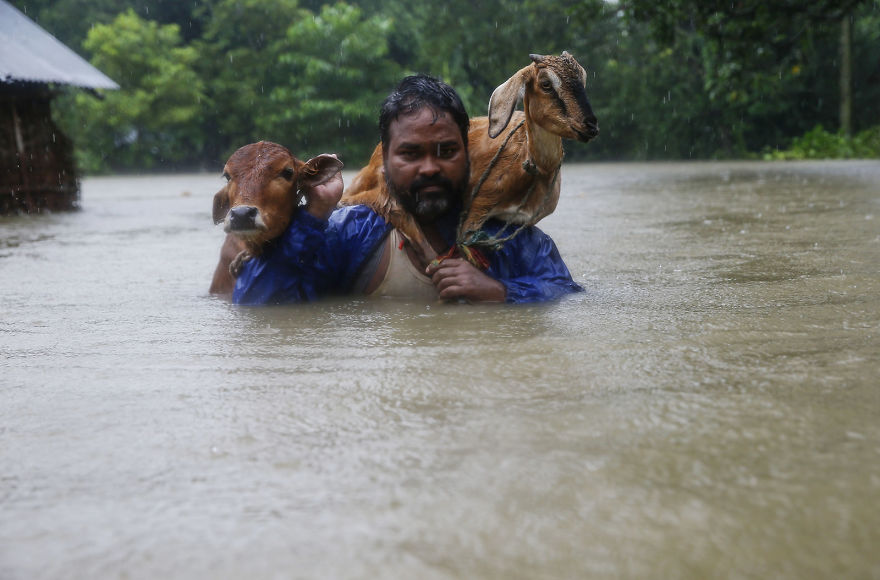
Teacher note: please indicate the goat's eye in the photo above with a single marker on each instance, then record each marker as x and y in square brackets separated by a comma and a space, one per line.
[546, 86]
[287, 173]
[226, 176]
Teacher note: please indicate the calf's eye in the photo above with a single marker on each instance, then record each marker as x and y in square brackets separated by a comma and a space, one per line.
[287, 173]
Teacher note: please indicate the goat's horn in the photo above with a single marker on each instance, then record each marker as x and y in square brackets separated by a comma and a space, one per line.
[537, 58]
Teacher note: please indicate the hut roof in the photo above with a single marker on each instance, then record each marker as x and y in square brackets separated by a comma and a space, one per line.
[29, 54]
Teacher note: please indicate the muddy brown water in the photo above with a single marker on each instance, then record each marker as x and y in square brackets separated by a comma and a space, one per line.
[708, 408]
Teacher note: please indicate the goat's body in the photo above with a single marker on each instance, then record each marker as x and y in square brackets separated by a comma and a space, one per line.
[522, 187]
[512, 188]
[515, 155]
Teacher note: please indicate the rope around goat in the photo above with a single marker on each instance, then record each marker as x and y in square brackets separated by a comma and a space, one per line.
[469, 248]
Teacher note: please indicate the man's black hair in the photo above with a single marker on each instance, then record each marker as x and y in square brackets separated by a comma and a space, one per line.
[417, 91]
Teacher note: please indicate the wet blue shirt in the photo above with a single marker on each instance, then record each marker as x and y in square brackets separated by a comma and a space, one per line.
[315, 258]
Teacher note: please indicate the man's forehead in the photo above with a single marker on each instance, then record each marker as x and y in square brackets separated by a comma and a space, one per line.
[424, 124]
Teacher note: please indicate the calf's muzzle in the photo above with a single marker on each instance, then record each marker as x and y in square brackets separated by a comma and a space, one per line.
[244, 218]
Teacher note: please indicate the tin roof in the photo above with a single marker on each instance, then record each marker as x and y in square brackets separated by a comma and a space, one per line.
[30, 54]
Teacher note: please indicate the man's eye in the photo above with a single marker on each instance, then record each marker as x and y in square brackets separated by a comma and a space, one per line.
[446, 152]
[409, 153]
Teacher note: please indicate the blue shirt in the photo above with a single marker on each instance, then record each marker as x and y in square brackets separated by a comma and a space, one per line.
[315, 258]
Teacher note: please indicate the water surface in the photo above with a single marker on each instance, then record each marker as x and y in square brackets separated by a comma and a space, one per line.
[708, 408]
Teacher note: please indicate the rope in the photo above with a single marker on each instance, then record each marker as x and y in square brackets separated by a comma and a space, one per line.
[496, 241]
[484, 177]
[491, 166]
[469, 249]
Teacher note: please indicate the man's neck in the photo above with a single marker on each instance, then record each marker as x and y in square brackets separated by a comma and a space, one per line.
[439, 233]
[435, 237]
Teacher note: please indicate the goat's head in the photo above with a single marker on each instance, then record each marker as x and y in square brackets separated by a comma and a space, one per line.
[263, 190]
[553, 90]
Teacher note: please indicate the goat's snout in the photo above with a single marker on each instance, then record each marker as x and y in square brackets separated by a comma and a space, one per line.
[244, 218]
[591, 132]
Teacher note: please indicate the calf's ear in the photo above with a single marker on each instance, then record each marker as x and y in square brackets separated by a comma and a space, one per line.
[318, 170]
[221, 205]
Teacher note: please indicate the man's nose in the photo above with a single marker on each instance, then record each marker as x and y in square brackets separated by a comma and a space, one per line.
[429, 165]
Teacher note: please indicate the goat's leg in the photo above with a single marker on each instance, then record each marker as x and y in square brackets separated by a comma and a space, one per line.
[476, 217]
[377, 200]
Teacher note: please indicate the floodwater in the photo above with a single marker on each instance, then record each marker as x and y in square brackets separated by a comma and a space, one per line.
[708, 408]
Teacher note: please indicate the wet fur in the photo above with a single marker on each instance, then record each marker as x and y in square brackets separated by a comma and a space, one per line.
[523, 186]
[266, 176]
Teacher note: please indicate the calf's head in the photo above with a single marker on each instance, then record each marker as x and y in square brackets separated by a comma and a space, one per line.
[263, 189]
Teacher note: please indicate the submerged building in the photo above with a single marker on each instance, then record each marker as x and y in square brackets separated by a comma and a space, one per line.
[37, 170]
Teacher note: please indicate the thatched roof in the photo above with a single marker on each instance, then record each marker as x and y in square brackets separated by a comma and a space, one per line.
[29, 54]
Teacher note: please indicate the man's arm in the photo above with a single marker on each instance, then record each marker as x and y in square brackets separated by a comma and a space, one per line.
[457, 278]
[531, 269]
[289, 269]
[294, 268]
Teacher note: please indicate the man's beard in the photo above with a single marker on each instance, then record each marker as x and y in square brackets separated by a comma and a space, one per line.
[428, 206]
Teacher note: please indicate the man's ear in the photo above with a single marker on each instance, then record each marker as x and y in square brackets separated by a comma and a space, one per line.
[221, 204]
[318, 170]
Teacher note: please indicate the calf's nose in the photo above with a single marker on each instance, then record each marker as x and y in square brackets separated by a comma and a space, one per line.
[243, 218]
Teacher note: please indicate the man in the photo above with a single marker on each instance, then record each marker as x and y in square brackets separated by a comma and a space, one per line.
[359, 250]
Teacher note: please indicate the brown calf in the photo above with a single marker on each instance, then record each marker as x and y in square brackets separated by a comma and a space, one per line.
[263, 189]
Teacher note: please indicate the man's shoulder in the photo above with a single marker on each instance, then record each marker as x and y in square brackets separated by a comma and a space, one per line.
[360, 212]
[357, 219]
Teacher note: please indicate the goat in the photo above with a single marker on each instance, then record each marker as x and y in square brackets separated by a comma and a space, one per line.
[263, 190]
[515, 179]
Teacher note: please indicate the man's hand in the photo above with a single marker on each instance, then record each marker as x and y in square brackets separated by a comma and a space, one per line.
[457, 278]
[321, 199]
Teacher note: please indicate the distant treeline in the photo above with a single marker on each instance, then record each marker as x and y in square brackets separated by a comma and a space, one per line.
[678, 79]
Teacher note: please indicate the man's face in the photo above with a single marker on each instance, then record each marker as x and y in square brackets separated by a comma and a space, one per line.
[426, 164]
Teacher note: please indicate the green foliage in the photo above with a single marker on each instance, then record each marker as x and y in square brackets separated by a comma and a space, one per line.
[70, 20]
[821, 144]
[239, 60]
[476, 46]
[336, 72]
[154, 119]
[677, 79]
[764, 66]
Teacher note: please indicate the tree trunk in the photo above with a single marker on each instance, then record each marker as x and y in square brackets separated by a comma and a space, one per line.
[846, 75]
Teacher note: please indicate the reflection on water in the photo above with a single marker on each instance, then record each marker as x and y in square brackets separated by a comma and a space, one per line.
[708, 408]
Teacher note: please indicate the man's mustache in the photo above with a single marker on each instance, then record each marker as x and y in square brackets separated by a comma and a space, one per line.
[434, 180]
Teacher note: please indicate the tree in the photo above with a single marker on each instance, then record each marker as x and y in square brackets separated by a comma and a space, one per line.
[239, 61]
[335, 72]
[673, 79]
[153, 120]
[757, 57]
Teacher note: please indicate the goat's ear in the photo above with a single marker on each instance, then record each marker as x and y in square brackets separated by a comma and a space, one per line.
[503, 102]
[221, 205]
[318, 170]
